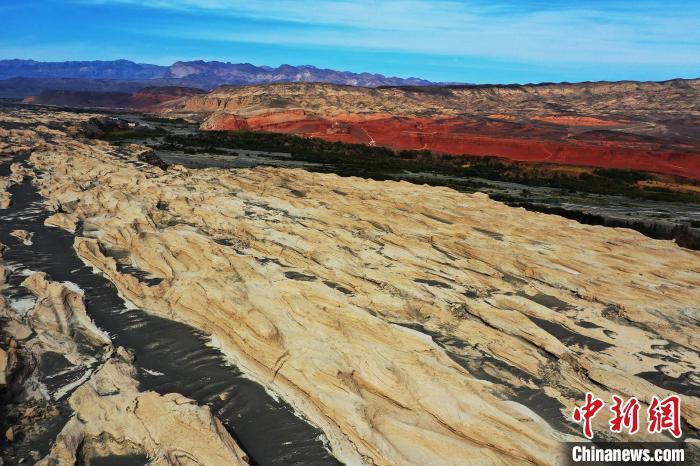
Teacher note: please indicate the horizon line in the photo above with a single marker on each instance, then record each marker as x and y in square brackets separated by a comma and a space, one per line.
[431, 83]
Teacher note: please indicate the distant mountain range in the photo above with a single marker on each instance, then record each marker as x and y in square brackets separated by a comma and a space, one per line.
[21, 78]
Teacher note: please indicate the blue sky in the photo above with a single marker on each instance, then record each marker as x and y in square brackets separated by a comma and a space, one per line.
[445, 40]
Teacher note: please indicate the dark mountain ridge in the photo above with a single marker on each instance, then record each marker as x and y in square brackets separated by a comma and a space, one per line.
[98, 69]
[126, 76]
[19, 88]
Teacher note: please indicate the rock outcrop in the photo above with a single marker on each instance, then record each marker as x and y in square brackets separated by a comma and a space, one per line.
[54, 356]
[22, 235]
[63, 221]
[412, 324]
[8, 359]
[650, 128]
[4, 195]
[113, 418]
[627, 99]
[4, 367]
[60, 310]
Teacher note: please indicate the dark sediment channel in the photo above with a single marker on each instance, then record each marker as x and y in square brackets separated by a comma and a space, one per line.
[169, 356]
[685, 236]
[545, 406]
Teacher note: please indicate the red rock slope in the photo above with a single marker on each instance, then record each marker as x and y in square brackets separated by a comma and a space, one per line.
[641, 126]
[523, 142]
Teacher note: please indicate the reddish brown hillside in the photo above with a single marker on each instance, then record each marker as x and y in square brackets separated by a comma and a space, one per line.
[147, 99]
[530, 141]
[81, 99]
[633, 125]
[152, 97]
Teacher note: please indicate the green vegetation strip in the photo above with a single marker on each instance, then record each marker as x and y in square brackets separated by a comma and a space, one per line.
[379, 162]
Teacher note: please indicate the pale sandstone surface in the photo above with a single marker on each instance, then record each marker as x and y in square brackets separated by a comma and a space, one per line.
[4, 195]
[22, 235]
[8, 348]
[111, 416]
[308, 281]
[60, 309]
[4, 359]
[60, 220]
[17, 174]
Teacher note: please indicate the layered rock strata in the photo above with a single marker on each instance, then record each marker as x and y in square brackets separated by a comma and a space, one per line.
[624, 98]
[640, 126]
[54, 359]
[111, 417]
[411, 324]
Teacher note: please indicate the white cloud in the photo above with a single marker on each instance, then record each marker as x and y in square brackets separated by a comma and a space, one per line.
[644, 33]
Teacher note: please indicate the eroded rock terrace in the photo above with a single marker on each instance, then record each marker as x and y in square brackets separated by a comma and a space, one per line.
[412, 324]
